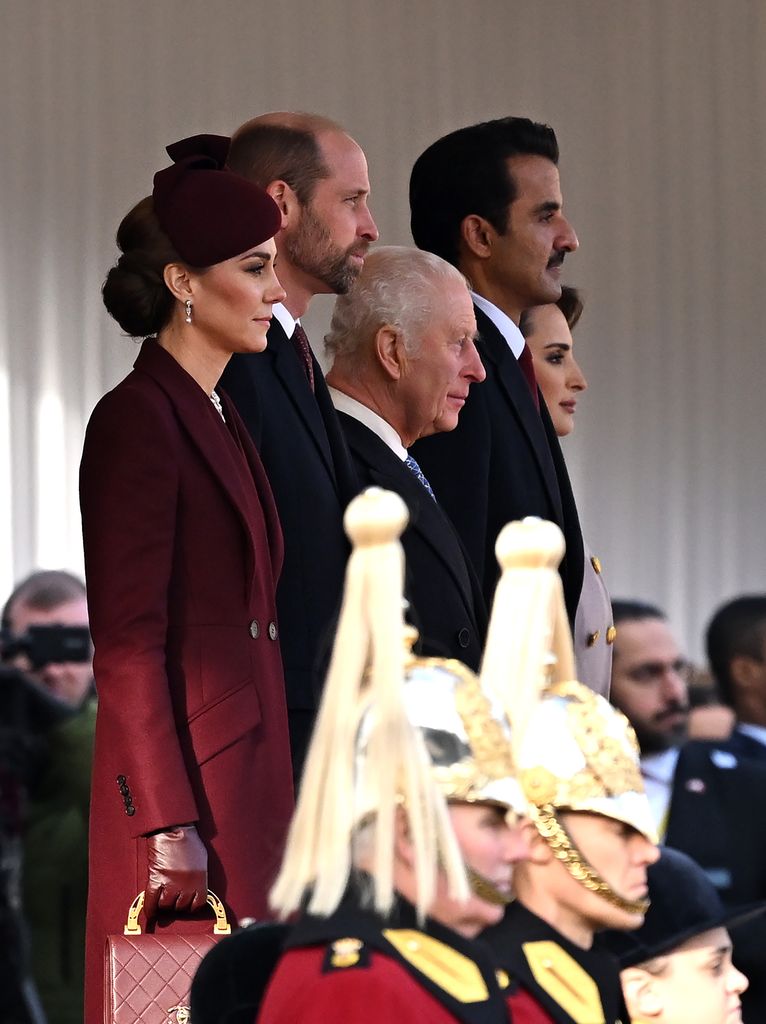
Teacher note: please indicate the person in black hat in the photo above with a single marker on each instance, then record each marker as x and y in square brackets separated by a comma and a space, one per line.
[192, 780]
[677, 967]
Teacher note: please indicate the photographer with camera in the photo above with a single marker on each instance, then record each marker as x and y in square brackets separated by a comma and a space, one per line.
[45, 638]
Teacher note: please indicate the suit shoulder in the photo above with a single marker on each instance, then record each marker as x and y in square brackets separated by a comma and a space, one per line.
[137, 403]
[725, 759]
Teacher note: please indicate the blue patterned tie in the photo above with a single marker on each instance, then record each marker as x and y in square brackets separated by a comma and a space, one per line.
[411, 464]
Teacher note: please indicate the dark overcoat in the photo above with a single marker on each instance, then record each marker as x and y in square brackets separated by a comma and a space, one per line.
[299, 439]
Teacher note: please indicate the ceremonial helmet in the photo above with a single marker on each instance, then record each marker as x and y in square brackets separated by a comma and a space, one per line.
[395, 734]
[573, 751]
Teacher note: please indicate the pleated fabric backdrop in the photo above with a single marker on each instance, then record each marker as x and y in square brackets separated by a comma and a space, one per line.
[657, 105]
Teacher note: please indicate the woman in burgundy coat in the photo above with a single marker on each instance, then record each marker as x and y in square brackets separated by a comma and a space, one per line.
[191, 781]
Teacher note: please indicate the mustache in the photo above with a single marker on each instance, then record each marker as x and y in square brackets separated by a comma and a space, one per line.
[358, 249]
[672, 709]
[557, 258]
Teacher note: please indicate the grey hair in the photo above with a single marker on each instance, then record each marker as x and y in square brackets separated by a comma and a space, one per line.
[396, 287]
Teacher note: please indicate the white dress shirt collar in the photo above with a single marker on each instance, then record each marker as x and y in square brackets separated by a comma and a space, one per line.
[371, 420]
[285, 318]
[756, 732]
[503, 322]
[658, 771]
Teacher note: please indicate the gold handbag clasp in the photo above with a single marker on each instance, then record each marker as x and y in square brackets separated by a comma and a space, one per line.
[221, 926]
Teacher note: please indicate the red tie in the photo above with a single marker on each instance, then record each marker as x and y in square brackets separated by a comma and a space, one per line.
[301, 343]
[527, 368]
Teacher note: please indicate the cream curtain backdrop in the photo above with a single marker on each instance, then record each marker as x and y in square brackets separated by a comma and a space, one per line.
[658, 107]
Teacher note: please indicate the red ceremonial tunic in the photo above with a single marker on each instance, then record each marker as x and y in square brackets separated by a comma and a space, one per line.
[356, 968]
[380, 993]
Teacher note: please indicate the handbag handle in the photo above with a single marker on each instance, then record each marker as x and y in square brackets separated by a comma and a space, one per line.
[221, 926]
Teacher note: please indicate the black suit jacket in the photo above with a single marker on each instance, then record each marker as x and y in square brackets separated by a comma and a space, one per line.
[502, 462]
[718, 817]
[307, 462]
[445, 600]
[742, 745]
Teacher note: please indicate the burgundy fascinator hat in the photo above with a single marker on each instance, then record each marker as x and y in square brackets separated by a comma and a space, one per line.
[209, 213]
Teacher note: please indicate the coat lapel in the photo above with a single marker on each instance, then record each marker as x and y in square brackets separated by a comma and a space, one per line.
[204, 428]
[262, 486]
[288, 369]
[494, 348]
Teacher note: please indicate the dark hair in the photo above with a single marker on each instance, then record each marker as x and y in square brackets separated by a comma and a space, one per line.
[44, 591]
[134, 292]
[634, 611]
[282, 146]
[737, 628]
[569, 302]
[466, 172]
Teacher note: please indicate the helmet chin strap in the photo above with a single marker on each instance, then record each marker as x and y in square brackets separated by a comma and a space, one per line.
[557, 837]
[486, 890]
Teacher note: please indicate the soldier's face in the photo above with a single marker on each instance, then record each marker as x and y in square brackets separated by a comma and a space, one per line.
[490, 846]
[619, 855]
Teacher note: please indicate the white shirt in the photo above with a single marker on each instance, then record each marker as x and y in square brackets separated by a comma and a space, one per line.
[503, 322]
[658, 771]
[756, 732]
[286, 320]
[383, 429]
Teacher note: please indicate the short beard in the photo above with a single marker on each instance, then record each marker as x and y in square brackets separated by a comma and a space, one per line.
[652, 741]
[311, 249]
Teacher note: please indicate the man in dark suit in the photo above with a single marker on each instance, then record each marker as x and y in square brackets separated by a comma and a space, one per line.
[404, 359]
[317, 175]
[736, 650]
[708, 802]
[487, 199]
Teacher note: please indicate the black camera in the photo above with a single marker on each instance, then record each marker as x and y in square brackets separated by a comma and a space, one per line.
[45, 645]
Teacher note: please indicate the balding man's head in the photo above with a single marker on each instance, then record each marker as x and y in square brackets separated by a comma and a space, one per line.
[317, 176]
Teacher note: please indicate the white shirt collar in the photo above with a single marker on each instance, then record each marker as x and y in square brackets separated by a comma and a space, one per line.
[371, 420]
[284, 317]
[660, 767]
[756, 732]
[658, 771]
[503, 322]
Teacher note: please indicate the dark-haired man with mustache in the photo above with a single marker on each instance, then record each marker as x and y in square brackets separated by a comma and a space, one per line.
[487, 199]
[707, 801]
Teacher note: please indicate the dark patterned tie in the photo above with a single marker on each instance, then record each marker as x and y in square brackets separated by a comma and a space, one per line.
[301, 344]
[527, 368]
[412, 465]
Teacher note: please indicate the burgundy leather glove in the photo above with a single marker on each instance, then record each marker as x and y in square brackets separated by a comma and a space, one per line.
[177, 871]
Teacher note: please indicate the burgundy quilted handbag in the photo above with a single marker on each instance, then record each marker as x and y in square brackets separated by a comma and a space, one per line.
[148, 977]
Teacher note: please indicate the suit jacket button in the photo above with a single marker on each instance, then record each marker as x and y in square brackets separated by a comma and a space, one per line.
[255, 629]
[124, 790]
[273, 631]
[130, 810]
[593, 638]
[611, 633]
[121, 780]
[464, 637]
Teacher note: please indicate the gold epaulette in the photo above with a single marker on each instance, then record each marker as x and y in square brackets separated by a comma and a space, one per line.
[457, 974]
[565, 981]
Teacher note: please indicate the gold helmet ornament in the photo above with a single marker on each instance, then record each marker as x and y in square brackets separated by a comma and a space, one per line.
[395, 734]
[573, 751]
